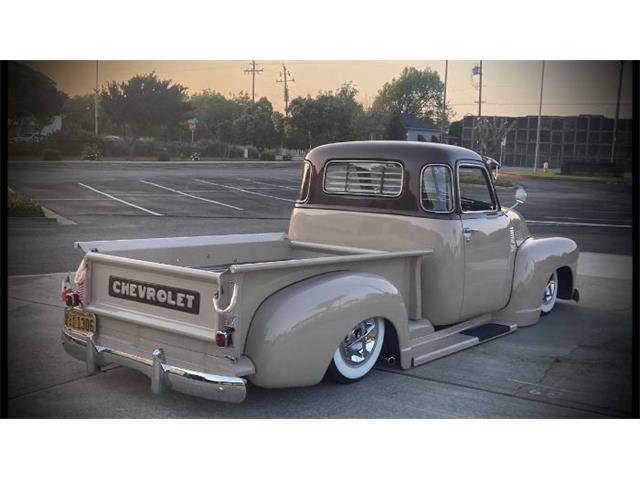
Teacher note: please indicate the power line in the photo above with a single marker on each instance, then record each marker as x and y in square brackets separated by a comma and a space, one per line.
[285, 76]
[253, 72]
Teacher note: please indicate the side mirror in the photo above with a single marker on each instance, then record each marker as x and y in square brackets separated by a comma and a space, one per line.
[521, 197]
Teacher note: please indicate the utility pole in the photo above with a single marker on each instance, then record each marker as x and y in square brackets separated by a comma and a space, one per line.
[444, 101]
[95, 104]
[285, 76]
[615, 122]
[253, 72]
[537, 154]
[477, 126]
[480, 93]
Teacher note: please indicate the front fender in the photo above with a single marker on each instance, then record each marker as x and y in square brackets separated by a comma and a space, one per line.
[536, 260]
[295, 332]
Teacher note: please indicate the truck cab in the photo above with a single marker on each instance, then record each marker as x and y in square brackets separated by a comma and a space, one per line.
[406, 195]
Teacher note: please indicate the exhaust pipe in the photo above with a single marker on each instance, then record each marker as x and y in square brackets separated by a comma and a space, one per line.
[390, 360]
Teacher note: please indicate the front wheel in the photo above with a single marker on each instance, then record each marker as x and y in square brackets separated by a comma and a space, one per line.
[550, 294]
[358, 352]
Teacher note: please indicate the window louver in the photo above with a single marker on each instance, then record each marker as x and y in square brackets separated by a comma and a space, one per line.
[363, 178]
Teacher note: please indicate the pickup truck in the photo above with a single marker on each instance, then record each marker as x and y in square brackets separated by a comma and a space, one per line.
[396, 251]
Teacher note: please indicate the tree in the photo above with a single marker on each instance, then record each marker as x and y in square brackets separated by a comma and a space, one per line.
[255, 125]
[489, 134]
[329, 117]
[417, 92]
[395, 130]
[145, 104]
[78, 113]
[32, 96]
[455, 130]
[216, 114]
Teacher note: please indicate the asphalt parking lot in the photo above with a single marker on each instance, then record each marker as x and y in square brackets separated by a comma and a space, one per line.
[574, 363]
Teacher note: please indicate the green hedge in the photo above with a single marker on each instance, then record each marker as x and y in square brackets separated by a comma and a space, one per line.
[86, 145]
[20, 205]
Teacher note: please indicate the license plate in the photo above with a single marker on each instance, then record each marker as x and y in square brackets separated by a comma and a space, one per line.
[79, 320]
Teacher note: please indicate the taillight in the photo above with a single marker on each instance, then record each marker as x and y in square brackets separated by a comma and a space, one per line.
[72, 299]
[224, 337]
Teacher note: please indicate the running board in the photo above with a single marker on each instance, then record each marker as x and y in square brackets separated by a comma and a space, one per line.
[440, 347]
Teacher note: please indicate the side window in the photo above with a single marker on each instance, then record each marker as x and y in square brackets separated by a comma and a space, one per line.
[436, 189]
[475, 189]
[306, 183]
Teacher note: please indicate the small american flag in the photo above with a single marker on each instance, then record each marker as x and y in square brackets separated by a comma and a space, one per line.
[78, 288]
[66, 289]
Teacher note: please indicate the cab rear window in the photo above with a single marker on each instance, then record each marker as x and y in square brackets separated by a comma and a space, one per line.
[361, 177]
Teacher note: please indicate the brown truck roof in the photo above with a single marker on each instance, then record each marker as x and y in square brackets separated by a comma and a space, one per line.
[412, 155]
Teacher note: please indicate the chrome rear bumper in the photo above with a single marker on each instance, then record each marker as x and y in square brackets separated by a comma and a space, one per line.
[163, 376]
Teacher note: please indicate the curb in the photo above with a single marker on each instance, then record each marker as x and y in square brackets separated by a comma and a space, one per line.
[26, 221]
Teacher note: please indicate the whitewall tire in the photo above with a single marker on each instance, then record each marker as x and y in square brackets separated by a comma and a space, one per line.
[358, 352]
[550, 294]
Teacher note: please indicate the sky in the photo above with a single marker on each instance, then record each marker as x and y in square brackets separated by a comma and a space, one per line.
[510, 88]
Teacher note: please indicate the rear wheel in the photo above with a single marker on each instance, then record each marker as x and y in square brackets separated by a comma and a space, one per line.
[358, 352]
[550, 294]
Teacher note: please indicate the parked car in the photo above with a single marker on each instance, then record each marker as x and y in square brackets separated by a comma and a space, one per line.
[28, 138]
[396, 251]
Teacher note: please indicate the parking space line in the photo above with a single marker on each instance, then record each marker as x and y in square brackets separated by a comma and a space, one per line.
[266, 183]
[120, 200]
[179, 192]
[243, 190]
[578, 224]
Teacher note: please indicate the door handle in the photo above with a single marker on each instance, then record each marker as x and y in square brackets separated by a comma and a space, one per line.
[467, 233]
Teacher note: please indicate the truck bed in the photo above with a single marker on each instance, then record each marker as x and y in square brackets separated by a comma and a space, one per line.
[225, 278]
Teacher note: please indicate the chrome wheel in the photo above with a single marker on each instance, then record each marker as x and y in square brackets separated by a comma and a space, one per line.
[550, 293]
[358, 352]
[359, 343]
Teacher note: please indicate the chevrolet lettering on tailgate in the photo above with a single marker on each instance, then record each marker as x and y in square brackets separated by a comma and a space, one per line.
[153, 294]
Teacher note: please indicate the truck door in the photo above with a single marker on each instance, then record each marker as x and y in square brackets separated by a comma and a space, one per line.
[488, 249]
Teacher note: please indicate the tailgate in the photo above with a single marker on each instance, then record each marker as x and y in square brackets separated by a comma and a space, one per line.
[163, 297]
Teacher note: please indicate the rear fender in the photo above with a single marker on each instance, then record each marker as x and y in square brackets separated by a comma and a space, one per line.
[295, 332]
[536, 260]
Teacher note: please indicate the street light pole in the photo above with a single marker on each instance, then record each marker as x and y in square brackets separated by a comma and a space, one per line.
[537, 154]
[95, 104]
[444, 101]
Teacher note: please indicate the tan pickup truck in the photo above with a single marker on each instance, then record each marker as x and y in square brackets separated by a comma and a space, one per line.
[396, 251]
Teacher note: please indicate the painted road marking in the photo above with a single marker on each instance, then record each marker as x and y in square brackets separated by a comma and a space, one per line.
[191, 196]
[267, 183]
[244, 191]
[593, 220]
[120, 200]
[578, 224]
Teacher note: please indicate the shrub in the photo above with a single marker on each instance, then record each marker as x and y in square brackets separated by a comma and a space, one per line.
[208, 148]
[91, 152]
[68, 142]
[20, 205]
[164, 156]
[268, 155]
[180, 149]
[113, 147]
[24, 148]
[50, 154]
[147, 147]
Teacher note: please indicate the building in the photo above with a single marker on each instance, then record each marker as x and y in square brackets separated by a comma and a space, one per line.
[585, 138]
[419, 130]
